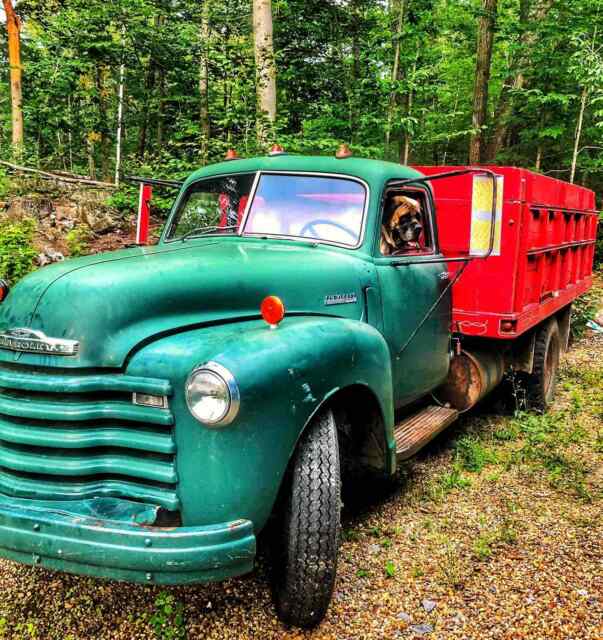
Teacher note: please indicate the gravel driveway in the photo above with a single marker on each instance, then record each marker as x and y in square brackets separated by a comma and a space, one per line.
[495, 531]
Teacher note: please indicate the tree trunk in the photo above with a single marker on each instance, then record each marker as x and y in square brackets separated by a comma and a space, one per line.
[120, 114]
[103, 127]
[161, 108]
[144, 125]
[405, 150]
[583, 102]
[265, 67]
[485, 39]
[13, 26]
[531, 13]
[400, 7]
[204, 122]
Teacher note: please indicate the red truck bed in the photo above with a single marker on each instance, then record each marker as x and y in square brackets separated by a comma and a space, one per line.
[546, 250]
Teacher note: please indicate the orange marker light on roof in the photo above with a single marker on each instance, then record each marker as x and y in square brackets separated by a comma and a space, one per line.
[272, 310]
[276, 150]
[231, 154]
[343, 152]
[3, 290]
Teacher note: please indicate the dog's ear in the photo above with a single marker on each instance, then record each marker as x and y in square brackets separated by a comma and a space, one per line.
[412, 204]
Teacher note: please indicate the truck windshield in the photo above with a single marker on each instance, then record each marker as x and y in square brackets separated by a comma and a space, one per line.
[213, 206]
[322, 208]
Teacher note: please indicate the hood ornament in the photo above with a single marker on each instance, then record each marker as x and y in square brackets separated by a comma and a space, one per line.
[32, 341]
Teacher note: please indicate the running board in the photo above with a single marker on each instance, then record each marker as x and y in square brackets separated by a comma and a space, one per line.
[417, 430]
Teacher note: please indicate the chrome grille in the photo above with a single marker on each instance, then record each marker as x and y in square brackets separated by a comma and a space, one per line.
[71, 435]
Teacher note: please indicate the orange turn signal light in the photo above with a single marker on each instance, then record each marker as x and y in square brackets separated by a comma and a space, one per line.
[272, 310]
[3, 290]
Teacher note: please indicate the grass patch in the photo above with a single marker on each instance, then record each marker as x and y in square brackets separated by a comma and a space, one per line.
[472, 454]
[545, 439]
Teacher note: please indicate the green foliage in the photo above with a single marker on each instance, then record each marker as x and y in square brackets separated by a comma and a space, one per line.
[335, 83]
[4, 183]
[168, 618]
[584, 309]
[17, 253]
[77, 240]
[390, 569]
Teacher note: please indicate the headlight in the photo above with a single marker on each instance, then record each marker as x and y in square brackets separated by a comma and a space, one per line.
[212, 395]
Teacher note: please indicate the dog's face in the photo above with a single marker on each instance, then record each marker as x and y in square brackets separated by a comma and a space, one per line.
[405, 224]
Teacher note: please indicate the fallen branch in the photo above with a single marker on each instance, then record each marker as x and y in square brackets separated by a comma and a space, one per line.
[58, 178]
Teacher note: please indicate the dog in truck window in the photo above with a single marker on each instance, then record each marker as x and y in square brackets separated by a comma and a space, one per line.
[401, 228]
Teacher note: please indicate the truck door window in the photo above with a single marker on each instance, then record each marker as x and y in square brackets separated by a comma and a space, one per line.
[212, 206]
[405, 224]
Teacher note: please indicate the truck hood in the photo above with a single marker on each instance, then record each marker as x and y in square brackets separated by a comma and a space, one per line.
[112, 302]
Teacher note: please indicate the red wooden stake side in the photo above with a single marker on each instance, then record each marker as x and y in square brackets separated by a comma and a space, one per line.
[548, 237]
[144, 210]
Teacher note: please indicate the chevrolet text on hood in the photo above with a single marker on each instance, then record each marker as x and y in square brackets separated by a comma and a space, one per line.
[159, 404]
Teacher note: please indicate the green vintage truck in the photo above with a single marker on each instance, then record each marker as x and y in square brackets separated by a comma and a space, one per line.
[159, 404]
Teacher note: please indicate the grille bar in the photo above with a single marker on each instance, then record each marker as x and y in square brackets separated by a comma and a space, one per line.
[57, 437]
[77, 490]
[60, 464]
[76, 411]
[82, 384]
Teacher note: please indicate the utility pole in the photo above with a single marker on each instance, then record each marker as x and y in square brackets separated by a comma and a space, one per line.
[13, 26]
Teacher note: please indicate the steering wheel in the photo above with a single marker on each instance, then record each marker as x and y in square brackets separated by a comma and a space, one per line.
[309, 226]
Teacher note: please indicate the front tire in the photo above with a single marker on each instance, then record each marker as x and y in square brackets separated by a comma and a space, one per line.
[541, 383]
[305, 576]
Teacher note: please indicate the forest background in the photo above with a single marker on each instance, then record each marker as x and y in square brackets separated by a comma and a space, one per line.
[415, 81]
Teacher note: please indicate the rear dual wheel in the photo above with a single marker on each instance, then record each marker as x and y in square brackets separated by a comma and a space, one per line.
[541, 383]
[309, 542]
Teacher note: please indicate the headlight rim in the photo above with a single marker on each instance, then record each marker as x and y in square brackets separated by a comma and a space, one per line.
[229, 380]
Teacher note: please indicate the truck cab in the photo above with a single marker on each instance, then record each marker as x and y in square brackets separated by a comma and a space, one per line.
[158, 404]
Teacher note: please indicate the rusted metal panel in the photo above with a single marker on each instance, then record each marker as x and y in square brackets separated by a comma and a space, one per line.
[471, 376]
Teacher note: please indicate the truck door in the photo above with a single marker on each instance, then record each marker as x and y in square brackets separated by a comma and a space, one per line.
[411, 280]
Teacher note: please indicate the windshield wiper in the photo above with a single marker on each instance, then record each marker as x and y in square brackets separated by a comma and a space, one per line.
[201, 231]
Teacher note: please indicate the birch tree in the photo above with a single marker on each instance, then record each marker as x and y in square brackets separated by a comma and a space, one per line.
[204, 123]
[587, 65]
[265, 67]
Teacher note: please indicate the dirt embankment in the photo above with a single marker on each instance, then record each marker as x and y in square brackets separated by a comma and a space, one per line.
[68, 216]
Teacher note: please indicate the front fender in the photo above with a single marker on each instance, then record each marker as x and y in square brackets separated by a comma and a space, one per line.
[284, 375]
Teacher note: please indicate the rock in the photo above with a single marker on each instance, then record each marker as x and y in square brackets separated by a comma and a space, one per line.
[404, 617]
[429, 605]
[459, 618]
[421, 629]
[49, 256]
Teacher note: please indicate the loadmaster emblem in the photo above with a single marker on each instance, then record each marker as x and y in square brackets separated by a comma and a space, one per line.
[341, 298]
[31, 341]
